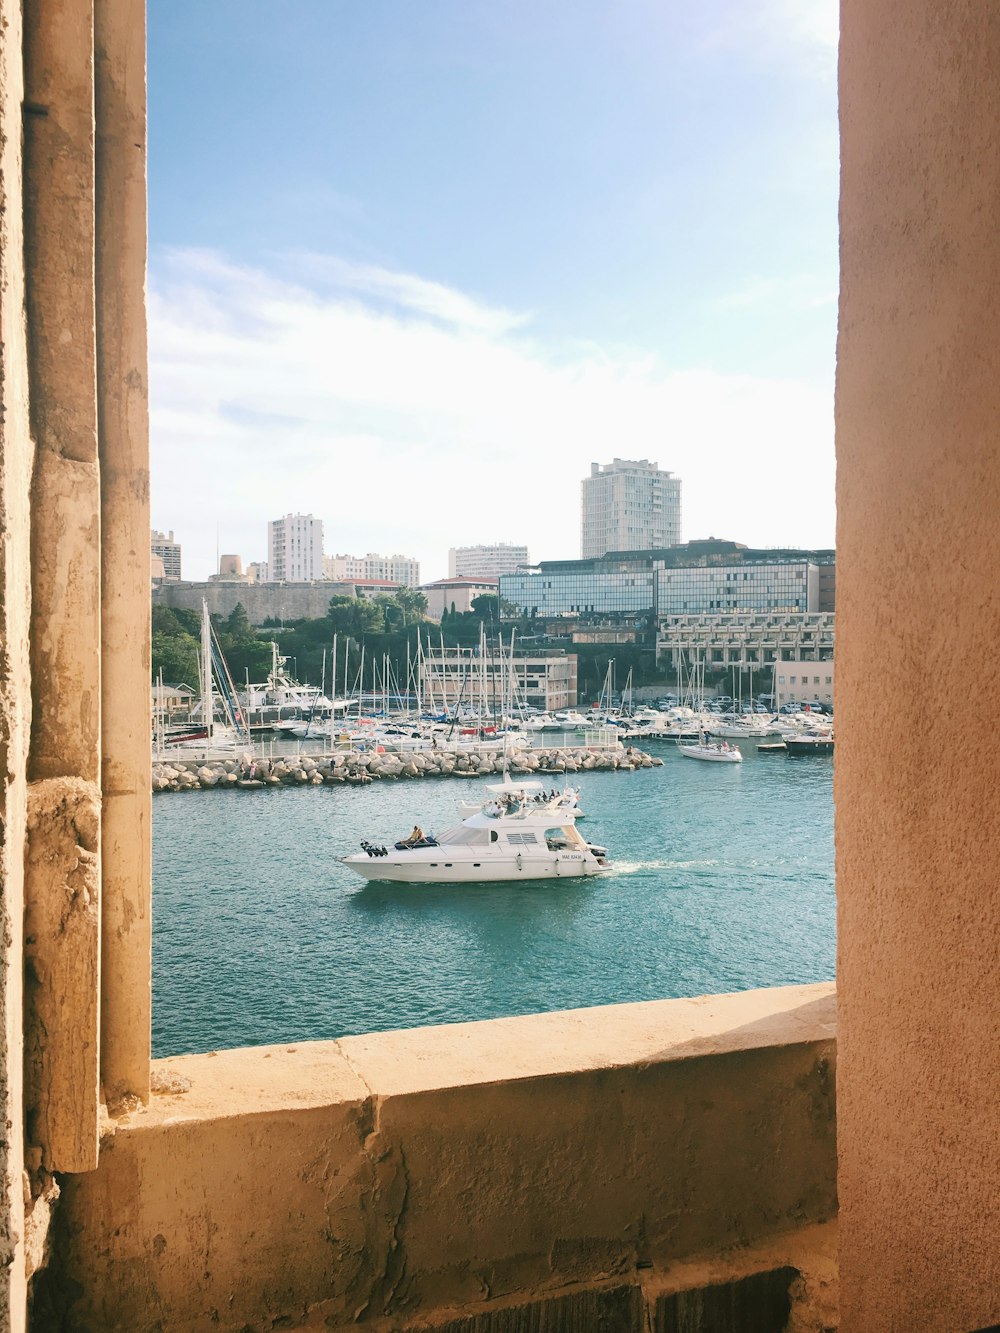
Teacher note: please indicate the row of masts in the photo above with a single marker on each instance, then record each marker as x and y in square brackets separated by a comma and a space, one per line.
[483, 682]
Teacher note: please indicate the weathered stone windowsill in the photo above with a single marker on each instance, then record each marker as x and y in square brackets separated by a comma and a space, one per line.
[461, 1168]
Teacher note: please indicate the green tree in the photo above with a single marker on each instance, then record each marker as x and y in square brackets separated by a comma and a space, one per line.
[412, 602]
[238, 623]
[176, 656]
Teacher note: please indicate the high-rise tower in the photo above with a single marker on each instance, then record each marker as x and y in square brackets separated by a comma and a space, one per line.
[629, 506]
[295, 549]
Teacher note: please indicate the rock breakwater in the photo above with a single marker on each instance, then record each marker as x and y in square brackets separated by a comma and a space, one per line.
[354, 767]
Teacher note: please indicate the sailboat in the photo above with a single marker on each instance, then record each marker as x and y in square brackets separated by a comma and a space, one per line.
[208, 734]
[713, 752]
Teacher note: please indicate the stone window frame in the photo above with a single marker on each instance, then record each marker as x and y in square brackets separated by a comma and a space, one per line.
[75, 570]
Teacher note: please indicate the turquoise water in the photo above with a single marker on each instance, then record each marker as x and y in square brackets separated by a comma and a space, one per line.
[723, 880]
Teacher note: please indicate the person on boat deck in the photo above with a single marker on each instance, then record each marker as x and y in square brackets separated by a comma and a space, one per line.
[417, 835]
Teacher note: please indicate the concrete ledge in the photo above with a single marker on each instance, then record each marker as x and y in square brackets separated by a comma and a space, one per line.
[392, 1176]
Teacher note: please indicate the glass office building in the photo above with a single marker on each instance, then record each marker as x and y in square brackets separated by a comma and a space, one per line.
[788, 587]
[583, 592]
[706, 578]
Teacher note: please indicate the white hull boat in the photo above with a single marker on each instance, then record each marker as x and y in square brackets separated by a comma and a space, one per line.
[511, 838]
[722, 753]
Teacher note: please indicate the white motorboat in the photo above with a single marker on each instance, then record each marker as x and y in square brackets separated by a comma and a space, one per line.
[753, 729]
[717, 752]
[511, 838]
[569, 718]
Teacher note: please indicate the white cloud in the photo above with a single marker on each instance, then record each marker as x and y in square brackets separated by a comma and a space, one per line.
[406, 293]
[800, 35]
[796, 292]
[435, 422]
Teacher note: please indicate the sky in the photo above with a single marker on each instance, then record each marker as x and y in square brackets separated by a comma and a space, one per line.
[415, 264]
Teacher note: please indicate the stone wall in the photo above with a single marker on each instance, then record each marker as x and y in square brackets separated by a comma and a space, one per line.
[581, 1165]
[16, 461]
[74, 609]
[261, 601]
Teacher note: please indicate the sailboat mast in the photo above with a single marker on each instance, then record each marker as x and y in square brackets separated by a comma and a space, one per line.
[207, 704]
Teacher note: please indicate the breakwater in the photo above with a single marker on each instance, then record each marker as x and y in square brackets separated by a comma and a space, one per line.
[357, 767]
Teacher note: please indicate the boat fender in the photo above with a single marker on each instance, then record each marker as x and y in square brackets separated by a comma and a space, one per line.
[519, 860]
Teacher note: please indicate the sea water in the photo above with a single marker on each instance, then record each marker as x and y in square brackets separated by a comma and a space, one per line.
[722, 880]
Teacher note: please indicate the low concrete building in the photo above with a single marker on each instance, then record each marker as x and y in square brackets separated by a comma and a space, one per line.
[455, 595]
[460, 676]
[802, 681]
[721, 641]
[373, 587]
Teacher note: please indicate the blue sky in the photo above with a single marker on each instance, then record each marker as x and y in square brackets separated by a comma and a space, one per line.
[414, 264]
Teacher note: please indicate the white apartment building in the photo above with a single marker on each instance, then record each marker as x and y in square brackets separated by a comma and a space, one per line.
[403, 569]
[485, 562]
[629, 506]
[295, 549]
[169, 551]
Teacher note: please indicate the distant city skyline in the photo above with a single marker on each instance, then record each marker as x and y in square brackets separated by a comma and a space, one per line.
[481, 247]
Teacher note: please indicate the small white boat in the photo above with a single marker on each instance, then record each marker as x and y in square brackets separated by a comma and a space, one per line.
[717, 752]
[567, 799]
[510, 838]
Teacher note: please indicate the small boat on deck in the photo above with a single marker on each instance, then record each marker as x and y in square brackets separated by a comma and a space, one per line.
[567, 799]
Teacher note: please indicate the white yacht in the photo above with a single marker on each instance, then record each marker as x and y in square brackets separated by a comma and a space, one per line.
[513, 837]
[719, 752]
[748, 728]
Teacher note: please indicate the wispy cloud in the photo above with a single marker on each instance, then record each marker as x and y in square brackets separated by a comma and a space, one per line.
[796, 292]
[800, 35]
[404, 292]
[412, 417]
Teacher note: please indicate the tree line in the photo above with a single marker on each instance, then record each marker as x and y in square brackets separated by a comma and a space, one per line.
[384, 628]
[386, 625]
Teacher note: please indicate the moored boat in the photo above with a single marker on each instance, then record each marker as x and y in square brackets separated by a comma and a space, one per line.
[718, 752]
[810, 743]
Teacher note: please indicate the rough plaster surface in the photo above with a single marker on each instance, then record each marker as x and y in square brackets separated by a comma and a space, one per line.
[918, 806]
[395, 1175]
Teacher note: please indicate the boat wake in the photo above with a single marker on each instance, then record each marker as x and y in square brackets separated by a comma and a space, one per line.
[646, 867]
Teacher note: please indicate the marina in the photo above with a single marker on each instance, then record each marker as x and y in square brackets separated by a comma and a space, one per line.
[721, 878]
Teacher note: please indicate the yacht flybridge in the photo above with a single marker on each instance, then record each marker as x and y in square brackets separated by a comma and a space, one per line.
[520, 833]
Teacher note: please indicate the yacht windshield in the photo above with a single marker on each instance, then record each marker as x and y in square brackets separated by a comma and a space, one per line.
[462, 835]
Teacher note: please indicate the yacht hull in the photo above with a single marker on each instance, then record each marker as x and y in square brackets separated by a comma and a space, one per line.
[448, 870]
[710, 757]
